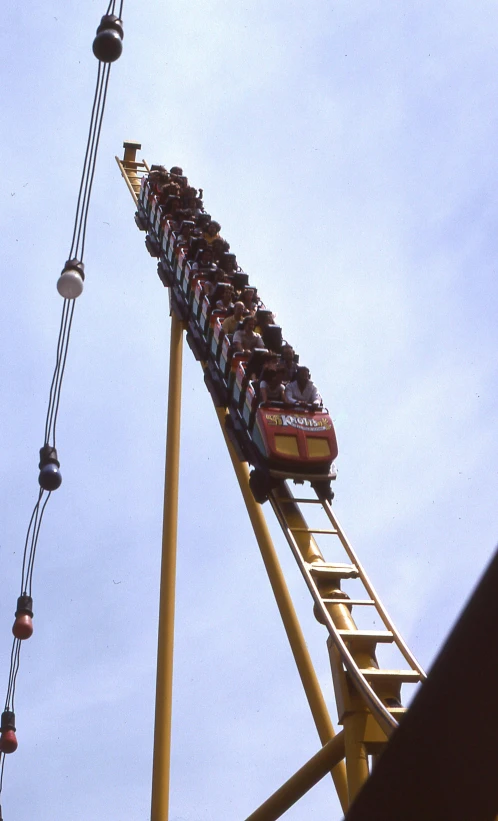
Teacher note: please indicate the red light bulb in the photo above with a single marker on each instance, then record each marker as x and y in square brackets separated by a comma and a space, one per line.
[23, 625]
[8, 742]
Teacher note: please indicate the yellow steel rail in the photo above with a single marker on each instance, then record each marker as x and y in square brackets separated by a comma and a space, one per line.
[287, 512]
[401, 644]
[131, 170]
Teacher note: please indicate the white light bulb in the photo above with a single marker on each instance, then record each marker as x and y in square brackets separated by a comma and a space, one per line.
[70, 282]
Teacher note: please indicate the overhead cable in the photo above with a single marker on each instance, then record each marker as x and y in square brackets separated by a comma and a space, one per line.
[107, 47]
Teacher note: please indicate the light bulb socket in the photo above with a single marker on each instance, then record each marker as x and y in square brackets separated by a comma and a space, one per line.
[48, 456]
[8, 721]
[110, 21]
[24, 606]
[74, 265]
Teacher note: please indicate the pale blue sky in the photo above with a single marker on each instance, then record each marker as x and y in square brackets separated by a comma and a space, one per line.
[349, 154]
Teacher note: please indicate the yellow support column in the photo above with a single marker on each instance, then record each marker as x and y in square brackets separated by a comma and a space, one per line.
[356, 754]
[288, 614]
[164, 680]
[358, 723]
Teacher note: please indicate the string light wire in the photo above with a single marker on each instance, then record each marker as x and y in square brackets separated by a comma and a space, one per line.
[76, 253]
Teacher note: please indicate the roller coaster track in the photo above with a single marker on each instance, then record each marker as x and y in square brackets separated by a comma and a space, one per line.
[368, 695]
[333, 608]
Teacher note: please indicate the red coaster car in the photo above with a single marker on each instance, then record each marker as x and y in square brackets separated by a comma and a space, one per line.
[293, 442]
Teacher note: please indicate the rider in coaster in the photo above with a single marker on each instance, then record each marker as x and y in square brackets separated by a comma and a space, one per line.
[246, 339]
[232, 322]
[212, 232]
[288, 363]
[250, 301]
[187, 231]
[158, 177]
[218, 246]
[224, 303]
[203, 260]
[215, 277]
[302, 390]
[270, 386]
[263, 319]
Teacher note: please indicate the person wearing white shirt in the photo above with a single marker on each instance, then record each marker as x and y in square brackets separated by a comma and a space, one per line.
[302, 390]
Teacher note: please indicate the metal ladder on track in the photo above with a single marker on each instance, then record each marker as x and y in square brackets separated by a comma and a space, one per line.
[355, 669]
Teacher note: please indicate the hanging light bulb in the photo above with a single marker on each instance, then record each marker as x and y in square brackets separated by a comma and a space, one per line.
[108, 44]
[70, 282]
[23, 625]
[8, 740]
[50, 477]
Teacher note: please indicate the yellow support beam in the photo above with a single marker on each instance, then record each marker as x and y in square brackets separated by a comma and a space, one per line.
[164, 680]
[302, 781]
[356, 754]
[288, 614]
